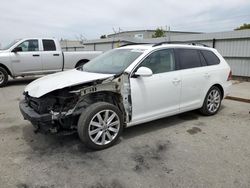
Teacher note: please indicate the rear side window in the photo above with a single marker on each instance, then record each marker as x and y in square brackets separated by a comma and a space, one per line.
[49, 45]
[189, 58]
[210, 57]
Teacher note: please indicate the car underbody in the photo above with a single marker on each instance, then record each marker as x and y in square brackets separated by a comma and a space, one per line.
[58, 111]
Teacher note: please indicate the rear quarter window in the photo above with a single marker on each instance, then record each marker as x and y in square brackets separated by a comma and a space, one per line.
[210, 57]
[189, 58]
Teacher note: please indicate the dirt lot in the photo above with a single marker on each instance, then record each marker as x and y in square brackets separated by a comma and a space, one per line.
[186, 150]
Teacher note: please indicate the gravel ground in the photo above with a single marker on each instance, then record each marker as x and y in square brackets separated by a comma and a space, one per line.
[187, 150]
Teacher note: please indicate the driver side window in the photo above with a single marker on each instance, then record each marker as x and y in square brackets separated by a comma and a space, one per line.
[160, 61]
[29, 46]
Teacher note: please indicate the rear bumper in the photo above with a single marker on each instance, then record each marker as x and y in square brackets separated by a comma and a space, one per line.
[227, 86]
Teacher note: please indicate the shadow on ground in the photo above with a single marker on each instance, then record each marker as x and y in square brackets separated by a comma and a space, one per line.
[20, 81]
[163, 123]
[47, 144]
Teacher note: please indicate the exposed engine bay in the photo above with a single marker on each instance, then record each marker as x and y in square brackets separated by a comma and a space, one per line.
[63, 107]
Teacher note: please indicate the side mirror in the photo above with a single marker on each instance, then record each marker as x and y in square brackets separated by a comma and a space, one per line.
[144, 71]
[17, 49]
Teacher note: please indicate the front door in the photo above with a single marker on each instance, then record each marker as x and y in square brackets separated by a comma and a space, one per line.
[158, 95]
[28, 60]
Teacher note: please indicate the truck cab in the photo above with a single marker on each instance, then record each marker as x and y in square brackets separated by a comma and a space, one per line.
[38, 56]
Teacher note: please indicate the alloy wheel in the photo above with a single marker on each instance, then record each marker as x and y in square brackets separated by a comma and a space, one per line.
[104, 127]
[213, 101]
[1, 77]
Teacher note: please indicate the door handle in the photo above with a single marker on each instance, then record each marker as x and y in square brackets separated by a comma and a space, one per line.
[36, 55]
[176, 81]
[207, 75]
[56, 54]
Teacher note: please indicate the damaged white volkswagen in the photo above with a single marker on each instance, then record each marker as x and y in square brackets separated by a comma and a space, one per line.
[127, 86]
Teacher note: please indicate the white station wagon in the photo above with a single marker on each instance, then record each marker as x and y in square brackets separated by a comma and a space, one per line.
[127, 86]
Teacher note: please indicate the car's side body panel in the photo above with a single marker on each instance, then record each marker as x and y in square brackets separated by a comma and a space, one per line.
[194, 85]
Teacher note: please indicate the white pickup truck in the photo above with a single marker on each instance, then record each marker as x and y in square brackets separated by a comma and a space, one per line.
[38, 56]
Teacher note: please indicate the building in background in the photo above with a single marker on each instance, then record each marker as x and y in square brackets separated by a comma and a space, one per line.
[145, 34]
[234, 46]
[72, 45]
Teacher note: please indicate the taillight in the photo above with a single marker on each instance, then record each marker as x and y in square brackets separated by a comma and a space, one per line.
[229, 76]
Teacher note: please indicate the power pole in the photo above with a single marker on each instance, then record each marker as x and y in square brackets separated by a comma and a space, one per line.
[168, 33]
[169, 39]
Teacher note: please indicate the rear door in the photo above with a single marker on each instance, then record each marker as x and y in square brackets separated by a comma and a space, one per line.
[194, 76]
[158, 95]
[27, 61]
[52, 60]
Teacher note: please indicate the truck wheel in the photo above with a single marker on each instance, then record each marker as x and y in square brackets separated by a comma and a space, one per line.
[212, 102]
[81, 63]
[3, 77]
[100, 125]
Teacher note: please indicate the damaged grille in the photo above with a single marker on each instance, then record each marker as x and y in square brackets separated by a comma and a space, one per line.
[57, 101]
[40, 105]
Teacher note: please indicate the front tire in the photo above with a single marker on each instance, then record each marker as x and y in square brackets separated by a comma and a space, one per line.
[212, 102]
[3, 77]
[100, 125]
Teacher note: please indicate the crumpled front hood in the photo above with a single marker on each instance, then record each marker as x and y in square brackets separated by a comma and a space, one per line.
[61, 80]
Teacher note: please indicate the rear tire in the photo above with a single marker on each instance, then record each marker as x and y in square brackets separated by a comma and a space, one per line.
[81, 63]
[3, 77]
[100, 125]
[212, 102]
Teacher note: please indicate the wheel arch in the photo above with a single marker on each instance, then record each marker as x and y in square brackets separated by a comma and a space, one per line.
[81, 61]
[220, 88]
[6, 68]
[216, 85]
[203, 108]
[106, 96]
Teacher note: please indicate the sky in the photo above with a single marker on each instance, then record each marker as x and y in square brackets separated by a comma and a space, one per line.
[89, 19]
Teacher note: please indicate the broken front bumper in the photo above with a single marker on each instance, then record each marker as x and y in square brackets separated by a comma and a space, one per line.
[41, 122]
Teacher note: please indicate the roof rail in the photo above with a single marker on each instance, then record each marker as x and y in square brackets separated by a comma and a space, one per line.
[167, 42]
[198, 44]
[134, 43]
[180, 42]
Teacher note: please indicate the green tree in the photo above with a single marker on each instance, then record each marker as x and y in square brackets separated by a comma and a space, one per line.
[159, 32]
[103, 37]
[244, 26]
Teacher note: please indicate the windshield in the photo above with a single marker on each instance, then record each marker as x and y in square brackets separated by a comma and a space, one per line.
[112, 62]
[9, 45]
